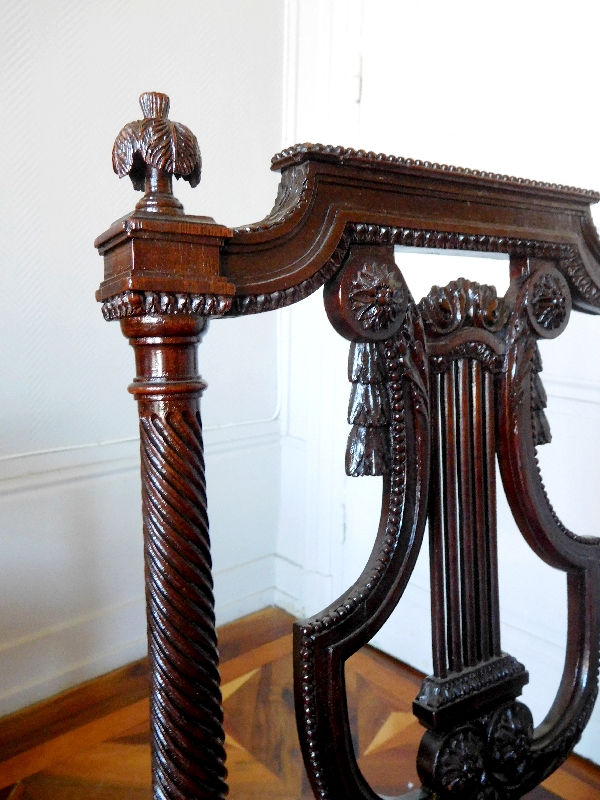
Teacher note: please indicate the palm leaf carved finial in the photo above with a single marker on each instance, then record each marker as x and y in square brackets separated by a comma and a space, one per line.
[154, 149]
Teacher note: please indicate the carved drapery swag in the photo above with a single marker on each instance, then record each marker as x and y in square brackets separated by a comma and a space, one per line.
[440, 389]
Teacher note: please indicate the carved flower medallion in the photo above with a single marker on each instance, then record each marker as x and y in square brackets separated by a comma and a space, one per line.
[548, 303]
[509, 741]
[460, 769]
[367, 299]
[376, 297]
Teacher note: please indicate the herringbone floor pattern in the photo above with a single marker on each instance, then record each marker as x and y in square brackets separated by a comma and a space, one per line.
[92, 743]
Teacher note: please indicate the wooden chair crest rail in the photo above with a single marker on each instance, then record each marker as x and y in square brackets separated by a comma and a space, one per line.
[438, 390]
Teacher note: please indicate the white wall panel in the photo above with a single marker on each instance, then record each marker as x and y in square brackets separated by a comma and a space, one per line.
[71, 582]
[71, 575]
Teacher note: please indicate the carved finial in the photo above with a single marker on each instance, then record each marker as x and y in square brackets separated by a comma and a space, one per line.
[155, 105]
[154, 149]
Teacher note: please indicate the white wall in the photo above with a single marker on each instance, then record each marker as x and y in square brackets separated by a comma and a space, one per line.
[71, 585]
[506, 87]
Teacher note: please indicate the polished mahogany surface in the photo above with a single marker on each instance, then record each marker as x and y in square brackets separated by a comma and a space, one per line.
[439, 390]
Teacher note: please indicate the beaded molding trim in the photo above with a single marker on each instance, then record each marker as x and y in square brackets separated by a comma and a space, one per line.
[394, 351]
[364, 233]
[435, 693]
[347, 155]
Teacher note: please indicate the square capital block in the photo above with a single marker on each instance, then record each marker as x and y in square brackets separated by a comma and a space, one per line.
[154, 253]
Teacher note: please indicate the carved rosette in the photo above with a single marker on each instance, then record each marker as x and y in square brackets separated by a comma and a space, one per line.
[368, 298]
[377, 297]
[486, 758]
[548, 302]
[510, 735]
[460, 766]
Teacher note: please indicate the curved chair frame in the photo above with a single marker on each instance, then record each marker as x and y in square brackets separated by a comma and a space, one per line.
[439, 389]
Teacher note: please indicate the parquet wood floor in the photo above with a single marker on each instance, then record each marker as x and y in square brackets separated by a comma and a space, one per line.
[93, 741]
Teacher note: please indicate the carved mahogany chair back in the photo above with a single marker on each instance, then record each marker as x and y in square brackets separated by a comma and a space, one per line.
[440, 389]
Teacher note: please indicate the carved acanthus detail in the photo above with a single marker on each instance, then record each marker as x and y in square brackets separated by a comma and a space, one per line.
[138, 304]
[373, 370]
[156, 142]
[539, 401]
[367, 452]
[542, 311]
[291, 199]
[462, 303]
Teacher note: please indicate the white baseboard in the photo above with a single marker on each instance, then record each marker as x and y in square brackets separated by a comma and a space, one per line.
[43, 664]
[244, 589]
[244, 606]
[288, 603]
[72, 555]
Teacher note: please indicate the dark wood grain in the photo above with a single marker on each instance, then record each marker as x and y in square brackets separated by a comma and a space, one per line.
[380, 690]
[329, 191]
[379, 687]
[185, 701]
[452, 381]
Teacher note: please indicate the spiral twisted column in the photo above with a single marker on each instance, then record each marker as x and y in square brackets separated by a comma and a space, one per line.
[188, 757]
